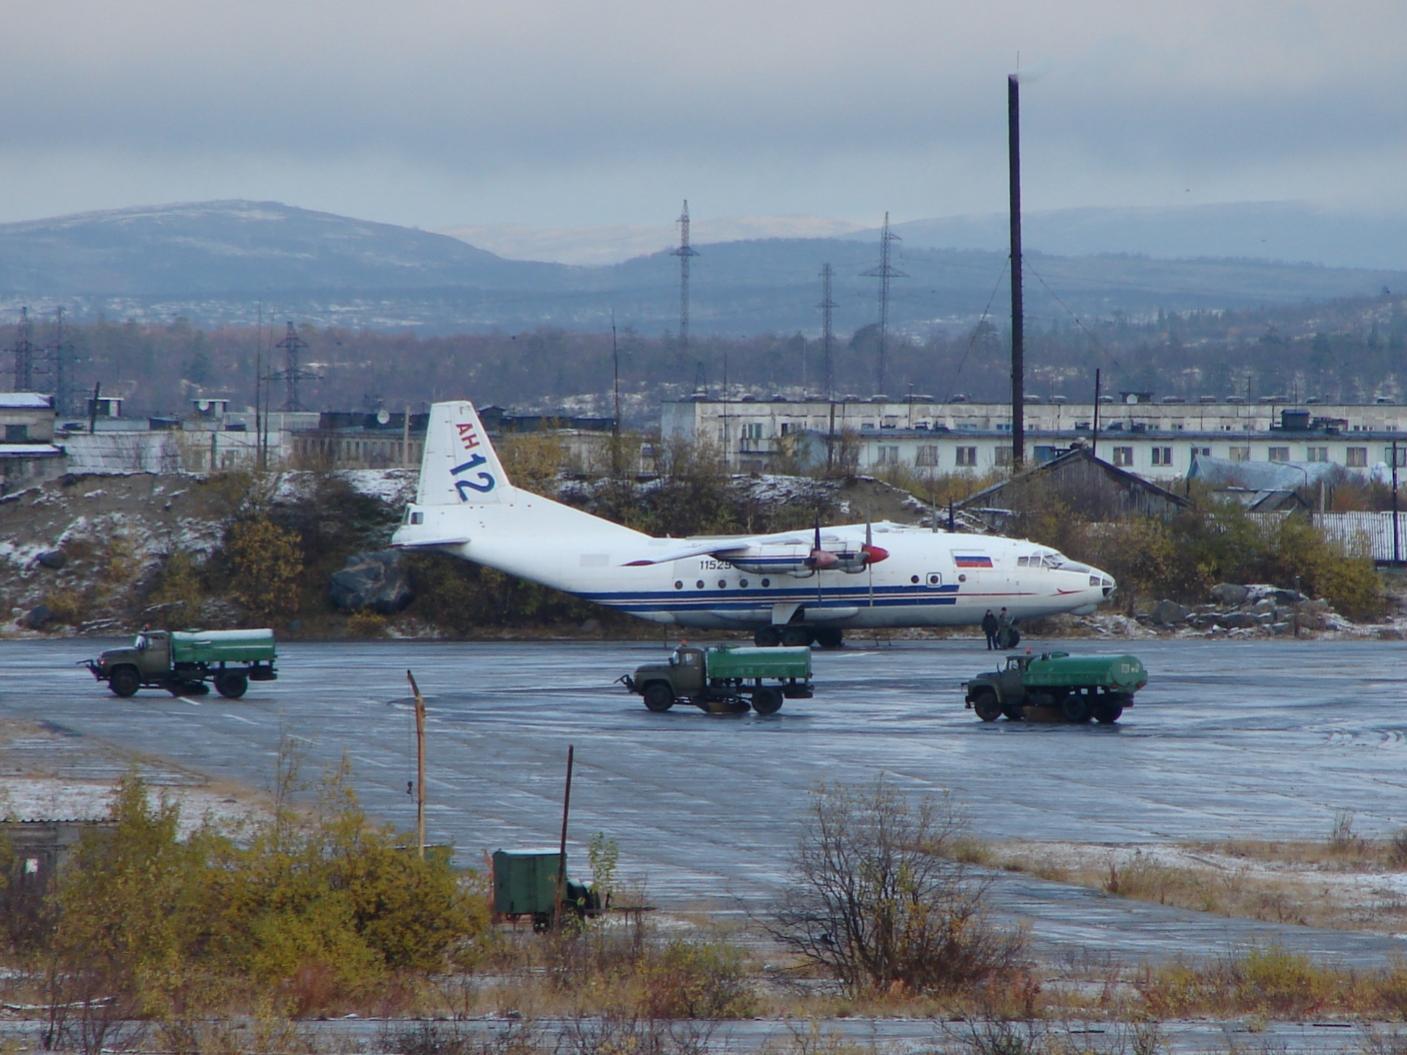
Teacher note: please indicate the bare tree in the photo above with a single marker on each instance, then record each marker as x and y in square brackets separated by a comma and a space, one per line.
[878, 900]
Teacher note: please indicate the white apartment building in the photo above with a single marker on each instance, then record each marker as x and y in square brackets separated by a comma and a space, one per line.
[1155, 440]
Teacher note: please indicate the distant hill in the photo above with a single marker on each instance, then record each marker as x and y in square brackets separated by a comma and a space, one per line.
[216, 262]
[236, 247]
[1289, 232]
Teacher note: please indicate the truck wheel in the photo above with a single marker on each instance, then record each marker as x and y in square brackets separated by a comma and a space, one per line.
[984, 702]
[1109, 710]
[1107, 713]
[124, 681]
[797, 636]
[766, 700]
[1075, 708]
[659, 697]
[231, 684]
[830, 637]
[767, 637]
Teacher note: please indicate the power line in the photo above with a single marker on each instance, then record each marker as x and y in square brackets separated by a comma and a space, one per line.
[684, 252]
[827, 335]
[885, 272]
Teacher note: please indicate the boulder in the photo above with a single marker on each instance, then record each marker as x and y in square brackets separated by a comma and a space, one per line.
[375, 581]
[38, 617]
[1287, 596]
[1229, 594]
[1240, 620]
[51, 558]
[1169, 613]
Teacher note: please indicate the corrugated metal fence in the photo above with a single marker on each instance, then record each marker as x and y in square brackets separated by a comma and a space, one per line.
[1365, 532]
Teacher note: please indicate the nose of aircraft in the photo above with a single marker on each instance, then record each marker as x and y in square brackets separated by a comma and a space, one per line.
[1103, 580]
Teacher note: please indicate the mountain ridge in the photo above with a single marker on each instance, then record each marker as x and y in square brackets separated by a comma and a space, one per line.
[216, 262]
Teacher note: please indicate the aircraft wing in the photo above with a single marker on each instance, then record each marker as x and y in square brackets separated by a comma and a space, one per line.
[721, 547]
[718, 547]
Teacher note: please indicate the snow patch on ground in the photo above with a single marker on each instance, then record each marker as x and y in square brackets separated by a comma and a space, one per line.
[52, 798]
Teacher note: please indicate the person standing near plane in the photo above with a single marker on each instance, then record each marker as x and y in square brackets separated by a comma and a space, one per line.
[1004, 630]
[989, 627]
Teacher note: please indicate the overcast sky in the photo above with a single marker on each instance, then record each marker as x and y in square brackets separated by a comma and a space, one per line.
[573, 114]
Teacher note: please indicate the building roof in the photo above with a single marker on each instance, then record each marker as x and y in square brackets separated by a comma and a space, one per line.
[25, 401]
[1127, 479]
[1259, 476]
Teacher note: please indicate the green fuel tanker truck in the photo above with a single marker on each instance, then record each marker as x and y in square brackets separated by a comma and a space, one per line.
[182, 661]
[1078, 687]
[724, 680]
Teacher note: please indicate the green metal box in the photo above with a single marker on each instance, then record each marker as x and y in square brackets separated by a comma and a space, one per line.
[525, 882]
[748, 662]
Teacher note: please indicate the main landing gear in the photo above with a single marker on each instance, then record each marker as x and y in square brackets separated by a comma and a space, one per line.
[798, 635]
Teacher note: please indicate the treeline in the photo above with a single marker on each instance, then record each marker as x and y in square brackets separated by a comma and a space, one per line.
[1347, 350]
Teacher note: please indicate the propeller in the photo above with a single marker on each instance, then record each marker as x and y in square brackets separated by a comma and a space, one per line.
[820, 558]
[868, 552]
[872, 554]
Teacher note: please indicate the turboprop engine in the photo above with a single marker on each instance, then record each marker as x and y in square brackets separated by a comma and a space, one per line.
[793, 559]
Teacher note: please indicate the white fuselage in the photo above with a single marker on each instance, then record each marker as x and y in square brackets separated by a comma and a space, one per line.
[920, 583]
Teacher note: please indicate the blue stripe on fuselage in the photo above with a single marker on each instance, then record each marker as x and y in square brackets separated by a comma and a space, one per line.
[736, 599]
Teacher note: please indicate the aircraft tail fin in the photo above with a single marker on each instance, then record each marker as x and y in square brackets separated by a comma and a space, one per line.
[459, 466]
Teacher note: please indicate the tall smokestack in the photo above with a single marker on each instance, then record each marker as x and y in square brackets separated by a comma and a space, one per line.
[1018, 368]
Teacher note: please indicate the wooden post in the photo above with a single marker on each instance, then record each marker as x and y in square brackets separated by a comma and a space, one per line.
[562, 847]
[419, 765]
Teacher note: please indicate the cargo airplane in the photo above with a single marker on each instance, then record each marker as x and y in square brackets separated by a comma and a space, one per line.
[788, 587]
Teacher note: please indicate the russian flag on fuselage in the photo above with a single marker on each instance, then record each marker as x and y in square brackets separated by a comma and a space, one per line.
[972, 560]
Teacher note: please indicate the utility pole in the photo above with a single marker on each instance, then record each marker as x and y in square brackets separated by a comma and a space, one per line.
[684, 252]
[1094, 435]
[827, 335]
[615, 388]
[562, 846]
[1018, 366]
[1396, 531]
[419, 765]
[885, 273]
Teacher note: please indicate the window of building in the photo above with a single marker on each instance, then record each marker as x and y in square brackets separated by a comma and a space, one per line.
[967, 456]
[16, 433]
[1123, 455]
[1400, 451]
[1317, 454]
[888, 455]
[1279, 454]
[1357, 457]
[927, 456]
[1004, 456]
[1205, 452]
[1240, 454]
[752, 430]
[1162, 455]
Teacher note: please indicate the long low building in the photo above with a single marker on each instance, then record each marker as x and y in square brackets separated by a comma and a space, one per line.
[1154, 440]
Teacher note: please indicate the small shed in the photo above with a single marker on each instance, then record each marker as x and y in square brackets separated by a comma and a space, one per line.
[1098, 489]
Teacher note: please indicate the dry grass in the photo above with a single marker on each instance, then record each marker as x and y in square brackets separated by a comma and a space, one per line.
[1274, 983]
[1324, 883]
